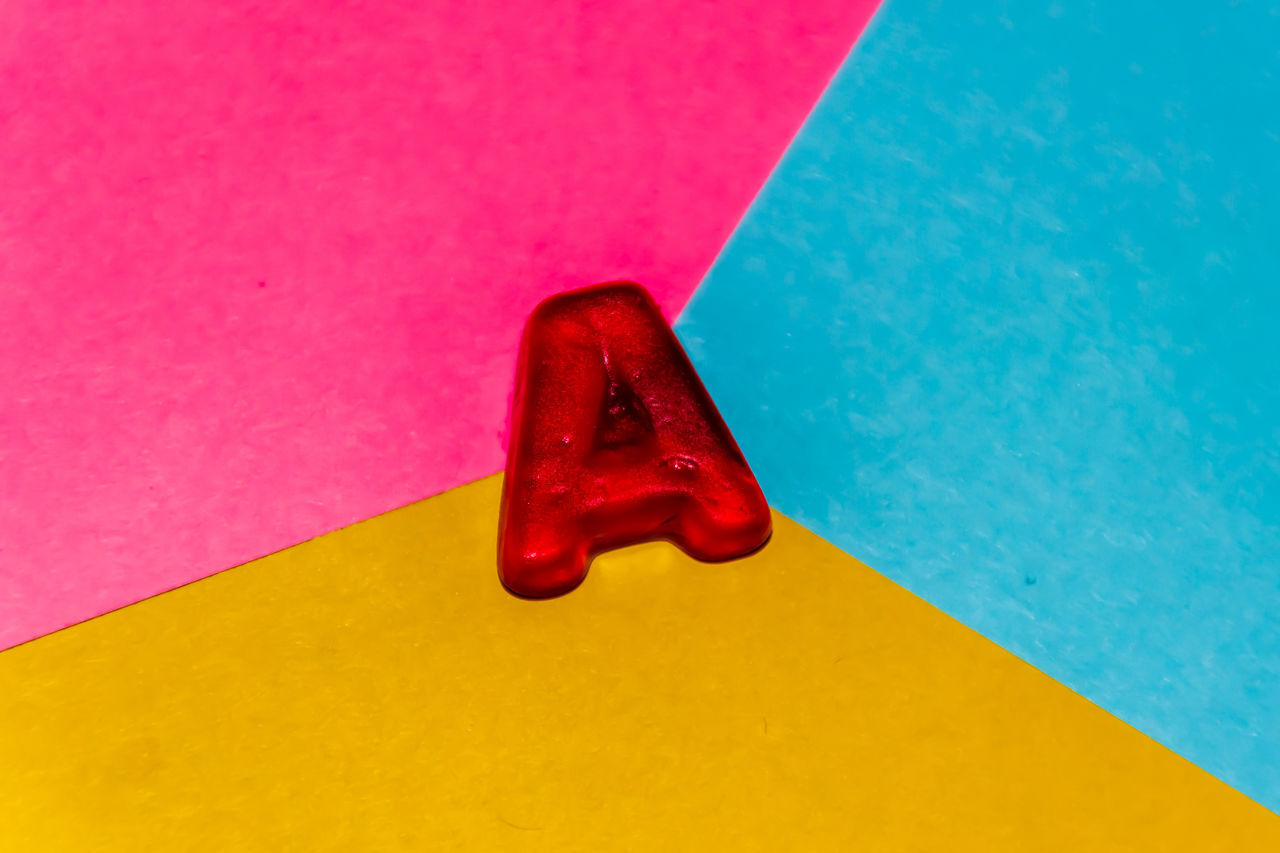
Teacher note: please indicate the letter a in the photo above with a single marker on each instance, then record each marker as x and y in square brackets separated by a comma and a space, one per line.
[614, 441]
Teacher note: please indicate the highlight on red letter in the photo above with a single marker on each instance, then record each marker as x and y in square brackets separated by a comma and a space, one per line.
[614, 440]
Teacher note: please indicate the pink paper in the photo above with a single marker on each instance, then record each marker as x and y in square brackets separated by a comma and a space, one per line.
[263, 266]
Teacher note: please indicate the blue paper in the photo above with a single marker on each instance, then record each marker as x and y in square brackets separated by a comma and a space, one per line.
[1004, 325]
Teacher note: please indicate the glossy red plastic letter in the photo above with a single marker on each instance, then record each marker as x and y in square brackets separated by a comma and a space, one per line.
[614, 441]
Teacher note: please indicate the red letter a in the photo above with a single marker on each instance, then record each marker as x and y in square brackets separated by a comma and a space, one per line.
[615, 441]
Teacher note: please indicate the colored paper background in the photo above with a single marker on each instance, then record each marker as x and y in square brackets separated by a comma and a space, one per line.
[363, 692]
[263, 267]
[1003, 325]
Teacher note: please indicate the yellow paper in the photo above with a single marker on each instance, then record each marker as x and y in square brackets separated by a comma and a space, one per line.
[377, 690]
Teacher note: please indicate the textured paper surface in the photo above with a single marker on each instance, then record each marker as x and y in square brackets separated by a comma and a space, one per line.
[1003, 325]
[263, 266]
[376, 689]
